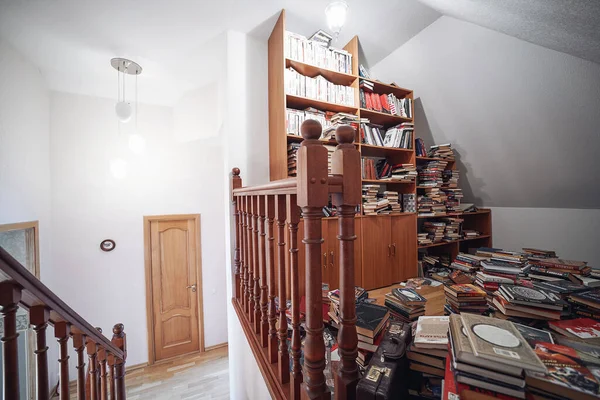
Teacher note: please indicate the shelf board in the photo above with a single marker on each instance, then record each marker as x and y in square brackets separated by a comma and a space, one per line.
[301, 103]
[379, 151]
[475, 238]
[380, 87]
[339, 78]
[429, 187]
[380, 118]
[298, 139]
[424, 246]
[456, 214]
[421, 158]
[384, 182]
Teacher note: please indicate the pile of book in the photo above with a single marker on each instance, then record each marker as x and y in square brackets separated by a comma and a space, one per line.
[371, 320]
[465, 298]
[423, 238]
[367, 85]
[318, 88]
[452, 202]
[453, 229]
[528, 302]
[506, 264]
[393, 199]
[317, 53]
[559, 267]
[429, 349]
[586, 304]
[470, 233]
[405, 304]
[442, 151]
[404, 172]
[450, 178]
[469, 263]
[338, 119]
[292, 152]
[489, 356]
[295, 118]
[539, 253]
[372, 203]
[409, 203]
[435, 230]
[430, 173]
[431, 203]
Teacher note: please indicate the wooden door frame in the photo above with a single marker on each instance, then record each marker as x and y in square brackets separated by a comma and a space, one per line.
[148, 272]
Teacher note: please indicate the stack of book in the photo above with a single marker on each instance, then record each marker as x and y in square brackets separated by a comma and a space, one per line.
[490, 356]
[316, 52]
[292, 151]
[393, 199]
[338, 119]
[295, 118]
[460, 278]
[371, 320]
[409, 203]
[453, 229]
[404, 172]
[429, 348]
[468, 263]
[330, 151]
[470, 233]
[431, 203]
[465, 298]
[442, 151]
[318, 88]
[528, 302]
[435, 230]
[450, 178]
[430, 173]
[586, 304]
[539, 253]
[423, 238]
[405, 304]
[560, 266]
[366, 85]
[453, 197]
[369, 196]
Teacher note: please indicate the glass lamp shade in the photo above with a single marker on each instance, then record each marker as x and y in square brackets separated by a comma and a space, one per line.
[123, 111]
[336, 15]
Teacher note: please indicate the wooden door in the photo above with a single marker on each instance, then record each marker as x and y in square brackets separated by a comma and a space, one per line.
[376, 251]
[175, 278]
[404, 248]
[331, 248]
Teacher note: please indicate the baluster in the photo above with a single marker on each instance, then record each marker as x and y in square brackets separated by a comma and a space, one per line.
[256, 264]
[313, 195]
[284, 357]
[346, 164]
[271, 266]
[78, 343]
[103, 373]
[92, 388]
[293, 218]
[111, 369]
[119, 339]
[264, 320]
[244, 232]
[38, 317]
[10, 295]
[61, 333]
[236, 182]
[249, 236]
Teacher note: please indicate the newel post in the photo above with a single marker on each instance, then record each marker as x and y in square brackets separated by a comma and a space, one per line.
[345, 165]
[119, 339]
[236, 182]
[313, 195]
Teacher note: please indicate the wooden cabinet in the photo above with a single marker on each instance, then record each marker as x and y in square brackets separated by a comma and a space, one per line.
[404, 247]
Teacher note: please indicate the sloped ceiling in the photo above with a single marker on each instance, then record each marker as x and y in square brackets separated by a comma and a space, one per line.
[72, 42]
[571, 27]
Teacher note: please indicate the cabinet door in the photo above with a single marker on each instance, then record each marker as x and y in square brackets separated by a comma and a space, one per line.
[376, 251]
[357, 252]
[404, 248]
[332, 248]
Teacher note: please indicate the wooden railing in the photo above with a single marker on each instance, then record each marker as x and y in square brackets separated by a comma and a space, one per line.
[18, 287]
[266, 259]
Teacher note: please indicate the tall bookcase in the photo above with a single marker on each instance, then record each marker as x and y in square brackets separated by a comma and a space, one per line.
[387, 250]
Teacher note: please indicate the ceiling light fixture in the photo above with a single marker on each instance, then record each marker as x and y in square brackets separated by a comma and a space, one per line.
[336, 13]
[125, 67]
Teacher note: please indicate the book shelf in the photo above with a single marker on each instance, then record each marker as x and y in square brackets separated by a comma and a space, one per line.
[387, 243]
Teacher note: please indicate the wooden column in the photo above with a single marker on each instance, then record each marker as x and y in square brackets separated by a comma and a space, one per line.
[270, 211]
[346, 165]
[61, 333]
[102, 359]
[242, 201]
[92, 352]
[111, 369]
[284, 357]
[262, 255]
[313, 195]
[236, 182]
[79, 344]
[293, 218]
[10, 295]
[250, 259]
[119, 339]
[38, 317]
[256, 264]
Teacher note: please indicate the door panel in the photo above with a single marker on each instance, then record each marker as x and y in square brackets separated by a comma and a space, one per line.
[175, 301]
[404, 248]
[375, 232]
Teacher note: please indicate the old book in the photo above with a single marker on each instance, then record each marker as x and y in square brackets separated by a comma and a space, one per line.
[426, 359]
[590, 299]
[567, 375]
[531, 297]
[517, 310]
[562, 287]
[431, 332]
[533, 335]
[460, 277]
[415, 366]
[370, 318]
[409, 297]
[465, 290]
[499, 341]
[490, 384]
[581, 328]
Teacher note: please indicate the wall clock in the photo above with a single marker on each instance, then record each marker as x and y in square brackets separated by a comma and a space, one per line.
[107, 245]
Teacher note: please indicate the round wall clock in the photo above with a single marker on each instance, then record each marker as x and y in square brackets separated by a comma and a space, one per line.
[107, 245]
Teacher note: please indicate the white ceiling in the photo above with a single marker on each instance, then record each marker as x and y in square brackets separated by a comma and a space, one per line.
[72, 41]
[568, 26]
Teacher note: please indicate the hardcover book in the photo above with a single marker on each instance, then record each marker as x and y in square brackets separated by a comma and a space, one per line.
[499, 341]
[409, 296]
[431, 332]
[531, 296]
[533, 335]
[562, 287]
[465, 290]
[591, 298]
[582, 328]
[370, 318]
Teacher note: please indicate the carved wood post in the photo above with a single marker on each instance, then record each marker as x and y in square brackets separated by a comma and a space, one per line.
[270, 211]
[245, 265]
[91, 348]
[79, 344]
[262, 253]
[236, 182]
[293, 218]
[313, 195]
[346, 164]
[10, 295]
[119, 339]
[61, 333]
[284, 357]
[38, 317]
[110, 360]
[255, 212]
[250, 259]
[102, 358]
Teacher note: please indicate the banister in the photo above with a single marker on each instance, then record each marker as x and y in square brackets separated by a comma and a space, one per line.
[35, 293]
[282, 186]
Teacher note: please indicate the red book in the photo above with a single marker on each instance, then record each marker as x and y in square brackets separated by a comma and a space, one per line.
[465, 290]
[377, 102]
[581, 328]
[384, 103]
[368, 101]
[450, 391]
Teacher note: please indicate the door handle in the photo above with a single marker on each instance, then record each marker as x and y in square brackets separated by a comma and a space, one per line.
[332, 260]
[389, 250]
[325, 260]
[193, 287]
[394, 251]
